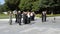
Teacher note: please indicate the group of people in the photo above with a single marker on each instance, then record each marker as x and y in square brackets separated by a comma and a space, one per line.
[27, 17]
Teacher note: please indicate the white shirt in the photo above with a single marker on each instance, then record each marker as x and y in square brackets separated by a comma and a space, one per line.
[28, 15]
[15, 12]
[31, 14]
[44, 13]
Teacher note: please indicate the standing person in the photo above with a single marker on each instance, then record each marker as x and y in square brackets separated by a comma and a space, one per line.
[33, 16]
[15, 13]
[43, 16]
[25, 17]
[19, 17]
[10, 17]
[28, 17]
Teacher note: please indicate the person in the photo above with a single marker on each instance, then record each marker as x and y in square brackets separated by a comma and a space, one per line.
[25, 17]
[28, 17]
[43, 16]
[15, 13]
[10, 17]
[19, 17]
[33, 16]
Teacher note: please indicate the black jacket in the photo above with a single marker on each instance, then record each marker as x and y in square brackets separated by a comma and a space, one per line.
[19, 16]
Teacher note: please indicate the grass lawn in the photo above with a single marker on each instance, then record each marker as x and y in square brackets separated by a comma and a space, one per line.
[48, 15]
[3, 16]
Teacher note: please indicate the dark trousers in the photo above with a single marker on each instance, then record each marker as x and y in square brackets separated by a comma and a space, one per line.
[43, 18]
[19, 21]
[31, 18]
[16, 18]
[28, 20]
[24, 21]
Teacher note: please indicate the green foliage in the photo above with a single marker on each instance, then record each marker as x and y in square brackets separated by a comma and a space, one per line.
[3, 8]
[35, 6]
[12, 4]
[50, 3]
[25, 5]
[32, 5]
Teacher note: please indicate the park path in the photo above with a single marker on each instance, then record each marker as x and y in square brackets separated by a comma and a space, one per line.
[35, 27]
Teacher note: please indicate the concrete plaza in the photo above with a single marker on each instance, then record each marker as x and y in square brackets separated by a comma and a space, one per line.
[35, 27]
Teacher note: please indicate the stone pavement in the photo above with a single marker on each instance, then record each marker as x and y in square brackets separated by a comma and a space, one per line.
[35, 27]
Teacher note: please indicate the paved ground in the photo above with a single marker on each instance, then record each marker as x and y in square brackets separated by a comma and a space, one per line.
[36, 27]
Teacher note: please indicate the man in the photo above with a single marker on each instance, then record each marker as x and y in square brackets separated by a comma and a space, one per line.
[28, 17]
[25, 17]
[44, 16]
[33, 16]
[15, 13]
[10, 17]
[19, 17]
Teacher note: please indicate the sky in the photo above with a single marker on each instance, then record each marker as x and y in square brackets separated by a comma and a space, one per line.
[2, 1]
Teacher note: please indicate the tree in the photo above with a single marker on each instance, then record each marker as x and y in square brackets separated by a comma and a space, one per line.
[35, 6]
[32, 5]
[12, 4]
[25, 5]
[2, 8]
